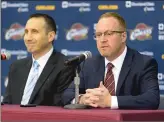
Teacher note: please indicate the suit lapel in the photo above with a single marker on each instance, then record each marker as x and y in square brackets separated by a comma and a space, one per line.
[99, 70]
[24, 76]
[44, 75]
[125, 69]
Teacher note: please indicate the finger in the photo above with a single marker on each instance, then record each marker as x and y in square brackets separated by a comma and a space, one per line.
[97, 89]
[97, 93]
[101, 84]
[93, 90]
[87, 102]
[86, 97]
[94, 105]
[94, 99]
[89, 90]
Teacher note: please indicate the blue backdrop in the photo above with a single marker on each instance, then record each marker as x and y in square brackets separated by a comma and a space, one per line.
[76, 22]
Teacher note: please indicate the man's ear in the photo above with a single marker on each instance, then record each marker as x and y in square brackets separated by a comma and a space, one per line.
[124, 36]
[51, 36]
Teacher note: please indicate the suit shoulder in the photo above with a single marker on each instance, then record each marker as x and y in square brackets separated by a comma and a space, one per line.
[21, 61]
[61, 56]
[19, 64]
[92, 61]
[143, 56]
[143, 59]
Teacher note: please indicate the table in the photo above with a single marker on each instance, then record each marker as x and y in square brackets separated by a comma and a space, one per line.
[59, 114]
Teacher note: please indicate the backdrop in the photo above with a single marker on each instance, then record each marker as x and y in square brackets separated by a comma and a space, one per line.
[76, 22]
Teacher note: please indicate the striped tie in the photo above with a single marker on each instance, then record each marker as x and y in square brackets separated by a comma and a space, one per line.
[30, 84]
[109, 80]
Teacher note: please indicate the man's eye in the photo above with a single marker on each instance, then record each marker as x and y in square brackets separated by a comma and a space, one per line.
[98, 35]
[34, 31]
[25, 32]
[108, 33]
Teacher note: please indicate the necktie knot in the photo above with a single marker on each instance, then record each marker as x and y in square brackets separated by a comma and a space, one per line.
[110, 66]
[35, 65]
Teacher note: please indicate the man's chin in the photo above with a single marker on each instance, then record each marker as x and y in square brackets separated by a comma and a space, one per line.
[104, 54]
[30, 51]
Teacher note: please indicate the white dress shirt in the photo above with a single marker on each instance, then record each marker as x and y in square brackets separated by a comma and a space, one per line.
[116, 72]
[42, 62]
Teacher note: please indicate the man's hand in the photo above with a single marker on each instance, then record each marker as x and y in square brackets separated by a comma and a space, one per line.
[85, 99]
[99, 97]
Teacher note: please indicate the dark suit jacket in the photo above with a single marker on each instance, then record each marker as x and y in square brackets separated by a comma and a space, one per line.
[54, 79]
[137, 86]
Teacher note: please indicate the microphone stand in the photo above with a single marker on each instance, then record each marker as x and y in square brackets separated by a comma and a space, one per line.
[77, 83]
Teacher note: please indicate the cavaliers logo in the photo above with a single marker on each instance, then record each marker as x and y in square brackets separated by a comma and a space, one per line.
[77, 32]
[141, 32]
[15, 32]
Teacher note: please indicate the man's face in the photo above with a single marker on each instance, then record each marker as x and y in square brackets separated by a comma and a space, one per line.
[110, 44]
[36, 37]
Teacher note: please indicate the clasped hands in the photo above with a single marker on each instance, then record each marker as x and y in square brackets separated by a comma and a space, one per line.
[97, 97]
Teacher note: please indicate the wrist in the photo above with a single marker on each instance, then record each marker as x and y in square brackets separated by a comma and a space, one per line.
[108, 101]
[80, 98]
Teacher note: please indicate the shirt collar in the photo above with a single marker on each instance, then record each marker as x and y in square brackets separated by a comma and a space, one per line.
[118, 61]
[43, 59]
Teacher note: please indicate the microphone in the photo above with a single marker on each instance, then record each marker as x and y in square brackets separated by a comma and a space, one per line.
[5, 56]
[78, 59]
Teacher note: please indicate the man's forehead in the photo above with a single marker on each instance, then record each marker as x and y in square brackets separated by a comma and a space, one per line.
[36, 20]
[108, 20]
[109, 23]
[35, 23]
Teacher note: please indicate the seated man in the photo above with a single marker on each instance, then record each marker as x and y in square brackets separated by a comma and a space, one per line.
[42, 78]
[120, 77]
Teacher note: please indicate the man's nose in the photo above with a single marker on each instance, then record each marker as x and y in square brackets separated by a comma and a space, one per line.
[103, 38]
[28, 37]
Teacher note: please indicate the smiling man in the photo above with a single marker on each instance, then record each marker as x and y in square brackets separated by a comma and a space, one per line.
[119, 77]
[41, 78]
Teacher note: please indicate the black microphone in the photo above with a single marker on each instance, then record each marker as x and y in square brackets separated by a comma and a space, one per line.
[78, 59]
[5, 56]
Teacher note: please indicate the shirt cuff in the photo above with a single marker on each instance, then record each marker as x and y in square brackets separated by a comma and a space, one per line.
[114, 102]
[73, 101]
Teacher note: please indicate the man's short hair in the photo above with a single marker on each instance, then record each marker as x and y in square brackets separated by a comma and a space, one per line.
[50, 22]
[116, 16]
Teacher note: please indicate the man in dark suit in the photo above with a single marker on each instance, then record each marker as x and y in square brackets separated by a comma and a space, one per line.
[120, 77]
[42, 78]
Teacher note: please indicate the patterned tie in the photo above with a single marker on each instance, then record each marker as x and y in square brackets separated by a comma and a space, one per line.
[30, 84]
[109, 80]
